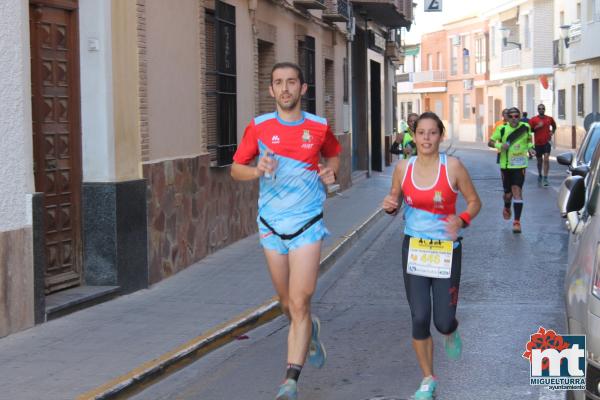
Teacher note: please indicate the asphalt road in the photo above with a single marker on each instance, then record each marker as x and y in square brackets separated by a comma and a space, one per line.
[511, 285]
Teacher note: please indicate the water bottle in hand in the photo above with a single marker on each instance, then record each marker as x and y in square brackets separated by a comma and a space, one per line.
[270, 175]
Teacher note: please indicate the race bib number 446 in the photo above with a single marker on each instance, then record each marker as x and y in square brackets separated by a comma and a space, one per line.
[430, 258]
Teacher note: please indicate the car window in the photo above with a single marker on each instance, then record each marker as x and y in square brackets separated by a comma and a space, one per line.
[591, 145]
[593, 178]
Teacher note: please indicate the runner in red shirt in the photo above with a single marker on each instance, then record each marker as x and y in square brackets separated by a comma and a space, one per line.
[540, 125]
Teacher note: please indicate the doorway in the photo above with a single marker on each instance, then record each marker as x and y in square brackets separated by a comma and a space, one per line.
[57, 136]
[376, 157]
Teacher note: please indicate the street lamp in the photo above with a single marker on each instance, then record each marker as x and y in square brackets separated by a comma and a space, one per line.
[564, 34]
[505, 35]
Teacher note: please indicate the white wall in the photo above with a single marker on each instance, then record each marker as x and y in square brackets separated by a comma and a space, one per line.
[16, 147]
[97, 121]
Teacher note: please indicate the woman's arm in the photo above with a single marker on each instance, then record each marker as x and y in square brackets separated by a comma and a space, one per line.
[465, 186]
[391, 202]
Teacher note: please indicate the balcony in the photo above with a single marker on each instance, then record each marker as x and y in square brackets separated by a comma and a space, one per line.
[337, 11]
[310, 4]
[511, 58]
[394, 52]
[429, 81]
[404, 82]
[429, 76]
[389, 13]
[583, 41]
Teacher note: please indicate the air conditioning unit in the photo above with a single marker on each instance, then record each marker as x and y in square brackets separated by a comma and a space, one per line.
[468, 84]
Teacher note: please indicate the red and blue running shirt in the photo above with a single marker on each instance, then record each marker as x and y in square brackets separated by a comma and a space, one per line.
[296, 194]
[427, 209]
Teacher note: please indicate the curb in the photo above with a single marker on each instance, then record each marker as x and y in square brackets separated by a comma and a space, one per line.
[152, 371]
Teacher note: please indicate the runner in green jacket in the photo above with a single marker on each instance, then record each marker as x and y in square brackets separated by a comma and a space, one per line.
[515, 142]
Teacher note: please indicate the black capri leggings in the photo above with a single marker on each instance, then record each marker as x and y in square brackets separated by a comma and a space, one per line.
[420, 289]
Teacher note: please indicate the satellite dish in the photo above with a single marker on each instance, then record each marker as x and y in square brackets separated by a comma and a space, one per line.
[590, 119]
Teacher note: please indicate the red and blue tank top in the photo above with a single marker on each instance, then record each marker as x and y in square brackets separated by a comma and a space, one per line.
[426, 209]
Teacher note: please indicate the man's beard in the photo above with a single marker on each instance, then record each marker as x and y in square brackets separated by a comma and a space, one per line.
[289, 106]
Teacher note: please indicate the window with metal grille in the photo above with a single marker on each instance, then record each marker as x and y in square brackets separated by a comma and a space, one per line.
[453, 57]
[221, 84]
[306, 60]
[561, 104]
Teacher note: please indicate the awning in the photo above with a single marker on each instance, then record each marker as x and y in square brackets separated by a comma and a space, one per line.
[413, 51]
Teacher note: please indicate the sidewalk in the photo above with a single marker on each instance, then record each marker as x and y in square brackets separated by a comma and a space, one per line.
[99, 351]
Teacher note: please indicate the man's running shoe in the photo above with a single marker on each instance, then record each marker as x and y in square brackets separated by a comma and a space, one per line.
[506, 213]
[316, 351]
[540, 180]
[427, 388]
[288, 390]
[517, 227]
[545, 181]
[453, 345]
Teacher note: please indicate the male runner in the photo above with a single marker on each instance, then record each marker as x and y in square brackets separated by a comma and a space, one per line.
[289, 143]
[408, 142]
[502, 121]
[543, 127]
[515, 143]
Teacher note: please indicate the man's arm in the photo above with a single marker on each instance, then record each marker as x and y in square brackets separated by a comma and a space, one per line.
[495, 138]
[328, 171]
[530, 142]
[241, 172]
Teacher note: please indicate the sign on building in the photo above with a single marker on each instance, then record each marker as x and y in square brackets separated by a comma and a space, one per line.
[433, 5]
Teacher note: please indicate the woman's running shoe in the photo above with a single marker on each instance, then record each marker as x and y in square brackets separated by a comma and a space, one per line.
[427, 388]
[506, 214]
[288, 390]
[316, 351]
[453, 345]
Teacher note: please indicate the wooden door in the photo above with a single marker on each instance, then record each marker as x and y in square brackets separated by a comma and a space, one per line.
[57, 135]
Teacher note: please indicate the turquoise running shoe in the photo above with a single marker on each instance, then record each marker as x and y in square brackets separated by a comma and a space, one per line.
[427, 388]
[288, 390]
[453, 345]
[316, 351]
[540, 177]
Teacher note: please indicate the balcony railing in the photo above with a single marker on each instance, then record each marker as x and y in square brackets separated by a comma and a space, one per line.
[404, 77]
[429, 76]
[394, 52]
[511, 58]
[390, 13]
[310, 4]
[337, 11]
